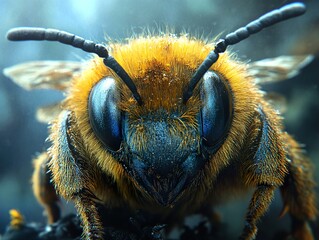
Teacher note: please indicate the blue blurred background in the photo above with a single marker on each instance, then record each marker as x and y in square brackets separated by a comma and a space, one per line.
[22, 137]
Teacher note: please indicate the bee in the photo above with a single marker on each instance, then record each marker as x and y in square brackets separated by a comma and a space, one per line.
[166, 125]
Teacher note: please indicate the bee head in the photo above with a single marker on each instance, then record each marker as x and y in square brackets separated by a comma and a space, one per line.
[165, 140]
[164, 143]
[163, 149]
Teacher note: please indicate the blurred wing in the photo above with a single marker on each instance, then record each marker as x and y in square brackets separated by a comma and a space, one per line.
[48, 113]
[44, 74]
[277, 69]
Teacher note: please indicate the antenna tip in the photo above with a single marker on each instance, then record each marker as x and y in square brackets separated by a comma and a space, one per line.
[298, 5]
[12, 34]
[295, 9]
[25, 33]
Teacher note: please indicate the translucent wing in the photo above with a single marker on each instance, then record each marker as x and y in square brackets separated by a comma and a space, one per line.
[277, 69]
[44, 74]
[48, 113]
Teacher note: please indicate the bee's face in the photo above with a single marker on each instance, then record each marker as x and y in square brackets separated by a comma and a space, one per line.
[163, 144]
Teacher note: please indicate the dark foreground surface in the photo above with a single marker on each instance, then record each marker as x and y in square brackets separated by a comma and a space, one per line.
[69, 228]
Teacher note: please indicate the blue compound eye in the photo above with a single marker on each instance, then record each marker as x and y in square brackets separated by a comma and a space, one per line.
[216, 112]
[105, 116]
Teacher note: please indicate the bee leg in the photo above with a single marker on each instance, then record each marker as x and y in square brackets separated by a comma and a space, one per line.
[43, 188]
[298, 193]
[88, 209]
[259, 204]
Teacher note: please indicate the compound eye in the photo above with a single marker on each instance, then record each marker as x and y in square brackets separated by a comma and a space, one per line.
[217, 110]
[105, 116]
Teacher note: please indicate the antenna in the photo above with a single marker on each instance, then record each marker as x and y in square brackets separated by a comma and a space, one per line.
[268, 19]
[41, 34]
